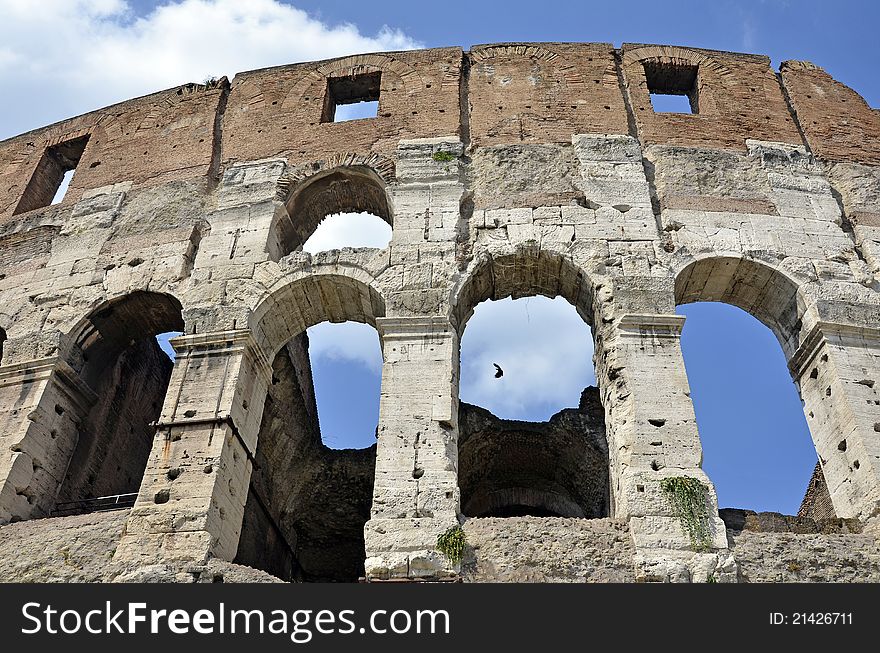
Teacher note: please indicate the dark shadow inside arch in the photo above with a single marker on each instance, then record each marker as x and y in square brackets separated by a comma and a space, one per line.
[743, 323]
[510, 468]
[344, 189]
[126, 373]
[308, 503]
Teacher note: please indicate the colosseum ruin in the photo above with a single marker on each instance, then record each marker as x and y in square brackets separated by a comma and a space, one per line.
[509, 170]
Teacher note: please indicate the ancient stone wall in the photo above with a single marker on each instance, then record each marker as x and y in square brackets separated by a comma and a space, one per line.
[513, 468]
[510, 170]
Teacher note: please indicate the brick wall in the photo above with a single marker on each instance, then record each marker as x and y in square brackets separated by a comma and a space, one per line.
[543, 92]
[739, 98]
[539, 93]
[155, 139]
[838, 124]
[278, 111]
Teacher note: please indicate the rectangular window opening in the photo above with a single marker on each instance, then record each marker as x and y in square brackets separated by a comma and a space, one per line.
[354, 97]
[672, 86]
[53, 175]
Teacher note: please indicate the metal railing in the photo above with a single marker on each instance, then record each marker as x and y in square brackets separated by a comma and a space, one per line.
[98, 504]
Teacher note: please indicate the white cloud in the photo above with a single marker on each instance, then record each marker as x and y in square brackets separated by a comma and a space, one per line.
[544, 348]
[60, 58]
[349, 230]
[351, 341]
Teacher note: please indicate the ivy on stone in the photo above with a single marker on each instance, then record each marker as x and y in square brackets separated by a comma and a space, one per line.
[452, 544]
[687, 496]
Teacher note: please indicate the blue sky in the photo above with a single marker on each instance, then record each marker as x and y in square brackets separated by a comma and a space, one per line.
[756, 445]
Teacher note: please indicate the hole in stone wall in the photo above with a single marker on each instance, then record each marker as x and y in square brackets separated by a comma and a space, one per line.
[2, 342]
[62, 187]
[52, 176]
[672, 86]
[757, 447]
[356, 111]
[312, 486]
[352, 97]
[346, 364]
[129, 374]
[541, 451]
[668, 103]
[540, 374]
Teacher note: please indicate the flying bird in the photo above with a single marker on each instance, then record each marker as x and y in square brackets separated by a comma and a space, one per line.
[498, 371]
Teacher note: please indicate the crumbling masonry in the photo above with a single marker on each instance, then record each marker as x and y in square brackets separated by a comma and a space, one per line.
[509, 170]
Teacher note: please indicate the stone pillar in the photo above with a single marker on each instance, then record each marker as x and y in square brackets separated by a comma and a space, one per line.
[837, 368]
[42, 403]
[416, 496]
[652, 435]
[191, 501]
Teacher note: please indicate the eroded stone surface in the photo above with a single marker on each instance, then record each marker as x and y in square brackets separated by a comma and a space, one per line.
[508, 171]
[541, 550]
[80, 548]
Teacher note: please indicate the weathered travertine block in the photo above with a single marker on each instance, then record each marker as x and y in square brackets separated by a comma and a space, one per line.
[835, 368]
[416, 496]
[43, 403]
[192, 498]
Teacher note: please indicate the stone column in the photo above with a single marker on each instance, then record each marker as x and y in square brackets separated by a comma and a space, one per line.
[837, 368]
[416, 495]
[42, 403]
[652, 435]
[191, 501]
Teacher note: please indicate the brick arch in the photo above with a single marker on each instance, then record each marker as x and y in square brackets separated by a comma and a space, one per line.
[673, 54]
[568, 72]
[525, 272]
[335, 293]
[293, 177]
[394, 71]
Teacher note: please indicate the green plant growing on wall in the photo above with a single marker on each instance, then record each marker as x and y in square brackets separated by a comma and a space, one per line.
[443, 157]
[452, 544]
[687, 496]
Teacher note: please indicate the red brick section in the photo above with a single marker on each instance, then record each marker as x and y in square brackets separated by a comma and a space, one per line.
[158, 138]
[277, 111]
[739, 98]
[515, 93]
[543, 92]
[838, 124]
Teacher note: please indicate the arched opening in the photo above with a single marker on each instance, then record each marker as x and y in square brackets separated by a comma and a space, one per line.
[543, 452]
[350, 198]
[308, 502]
[2, 342]
[128, 374]
[743, 323]
[346, 364]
